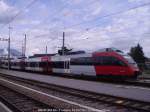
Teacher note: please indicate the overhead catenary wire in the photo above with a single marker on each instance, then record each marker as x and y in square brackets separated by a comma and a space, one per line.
[54, 15]
[20, 12]
[115, 13]
[84, 34]
[111, 14]
[108, 15]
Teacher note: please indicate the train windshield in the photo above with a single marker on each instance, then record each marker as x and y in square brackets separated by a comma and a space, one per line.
[130, 60]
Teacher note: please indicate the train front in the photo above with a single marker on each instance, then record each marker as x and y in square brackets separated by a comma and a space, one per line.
[133, 67]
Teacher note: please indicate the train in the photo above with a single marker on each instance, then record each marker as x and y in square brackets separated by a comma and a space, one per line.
[105, 63]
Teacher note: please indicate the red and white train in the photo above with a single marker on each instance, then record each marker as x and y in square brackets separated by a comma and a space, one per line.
[105, 63]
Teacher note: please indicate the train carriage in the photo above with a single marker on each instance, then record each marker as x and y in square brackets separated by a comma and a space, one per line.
[108, 63]
[38, 64]
[16, 64]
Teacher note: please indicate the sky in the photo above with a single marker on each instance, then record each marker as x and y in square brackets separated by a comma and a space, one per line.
[88, 24]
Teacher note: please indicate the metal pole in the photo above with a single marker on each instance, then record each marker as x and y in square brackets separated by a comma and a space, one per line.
[46, 50]
[9, 48]
[25, 42]
[22, 49]
[63, 46]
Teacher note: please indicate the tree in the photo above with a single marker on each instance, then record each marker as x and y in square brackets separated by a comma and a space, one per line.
[138, 55]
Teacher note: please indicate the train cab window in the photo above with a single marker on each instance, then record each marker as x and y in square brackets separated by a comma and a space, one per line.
[118, 62]
[108, 61]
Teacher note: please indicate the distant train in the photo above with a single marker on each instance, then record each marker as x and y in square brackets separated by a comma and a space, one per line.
[108, 63]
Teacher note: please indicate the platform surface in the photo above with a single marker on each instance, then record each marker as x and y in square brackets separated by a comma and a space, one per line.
[131, 92]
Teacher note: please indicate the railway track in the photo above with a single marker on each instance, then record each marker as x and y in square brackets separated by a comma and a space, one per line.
[94, 99]
[139, 82]
[59, 104]
[19, 102]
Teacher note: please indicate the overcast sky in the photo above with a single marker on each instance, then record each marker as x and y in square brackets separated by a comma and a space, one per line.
[89, 24]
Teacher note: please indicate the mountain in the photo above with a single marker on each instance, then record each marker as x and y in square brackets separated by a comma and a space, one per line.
[13, 53]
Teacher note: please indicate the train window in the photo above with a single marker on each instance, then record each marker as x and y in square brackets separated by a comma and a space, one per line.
[25, 63]
[15, 64]
[32, 64]
[58, 64]
[74, 61]
[41, 64]
[37, 64]
[6, 63]
[97, 60]
[28, 64]
[107, 60]
[89, 61]
[44, 64]
[82, 61]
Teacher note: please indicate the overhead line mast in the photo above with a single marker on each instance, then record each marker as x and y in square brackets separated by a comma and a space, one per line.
[25, 44]
[63, 45]
[9, 48]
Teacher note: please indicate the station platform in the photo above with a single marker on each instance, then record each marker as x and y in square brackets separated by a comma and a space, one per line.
[131, 92]
[4, 108]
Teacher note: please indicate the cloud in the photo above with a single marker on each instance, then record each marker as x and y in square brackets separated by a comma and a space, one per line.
[133, 1]
[121, 31]
[136, 24]
[28, 22]
[6, 12]
[125, 31]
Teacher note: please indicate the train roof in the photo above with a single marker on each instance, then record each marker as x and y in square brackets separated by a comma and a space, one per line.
[75, 52]
[109, 50]
[41, 55]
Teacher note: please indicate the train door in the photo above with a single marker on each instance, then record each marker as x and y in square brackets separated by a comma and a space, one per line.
[22, 64]
[67, 66]
[46, 64]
